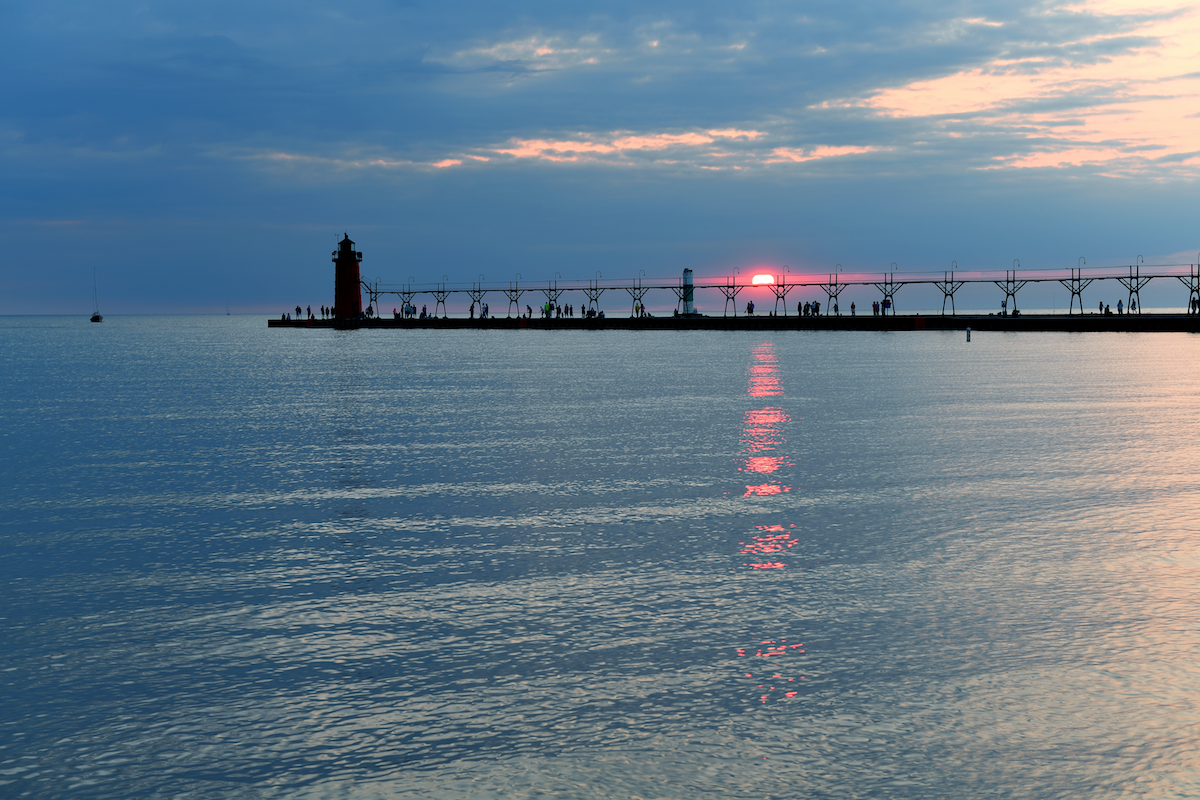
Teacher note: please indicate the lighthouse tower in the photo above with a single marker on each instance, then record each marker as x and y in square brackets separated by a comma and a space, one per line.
[347, 293]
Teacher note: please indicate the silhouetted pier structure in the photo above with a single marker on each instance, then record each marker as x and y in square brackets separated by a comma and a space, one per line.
[831, 316]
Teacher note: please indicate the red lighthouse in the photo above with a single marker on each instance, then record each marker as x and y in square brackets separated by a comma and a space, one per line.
[347, 293]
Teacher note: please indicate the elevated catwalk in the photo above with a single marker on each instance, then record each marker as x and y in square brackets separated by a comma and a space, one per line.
[1032, 322]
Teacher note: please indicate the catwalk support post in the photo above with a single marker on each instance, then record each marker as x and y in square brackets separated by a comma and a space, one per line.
[477, 292]
[948, 287]
[1075, 285]
[440, 294]
[780, 291]
[1192, 281]
[889, 287]
[832, 290]
[552, 293]
[637, 292]
[730, 290]
[593, 292]
[1010, 285]
[513, 293]
[1134, 283]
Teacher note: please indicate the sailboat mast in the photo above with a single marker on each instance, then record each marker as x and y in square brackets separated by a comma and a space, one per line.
[95, 300]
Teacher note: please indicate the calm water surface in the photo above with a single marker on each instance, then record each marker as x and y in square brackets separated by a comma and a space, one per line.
[301, 564]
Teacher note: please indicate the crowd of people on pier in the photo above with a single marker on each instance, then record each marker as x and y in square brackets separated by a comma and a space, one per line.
[406, 311]
[287, 315]
[548, 310]
[810, 309]
[554, 310]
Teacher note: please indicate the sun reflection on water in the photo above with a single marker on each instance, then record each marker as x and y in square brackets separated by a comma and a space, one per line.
[764, 373]
[772, 543]
[762, 428]
[762, 438]
[776, 685]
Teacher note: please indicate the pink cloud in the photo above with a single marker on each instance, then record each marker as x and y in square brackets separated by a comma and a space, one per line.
[1148, 98]
[797, 155]
[1075, 156]
[660, 141]
[734, 133]
[613, 146]
[537, 148]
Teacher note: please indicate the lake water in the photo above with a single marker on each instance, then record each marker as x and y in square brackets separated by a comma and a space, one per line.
[299, 564]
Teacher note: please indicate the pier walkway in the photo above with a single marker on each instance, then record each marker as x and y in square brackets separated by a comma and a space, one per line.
[1024, 322]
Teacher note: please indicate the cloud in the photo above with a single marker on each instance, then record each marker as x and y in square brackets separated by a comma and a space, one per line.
[698, 148]
[1042, 86]
[260, 114]
[533, 53]
[346, 163]
[800, 155]
[1103, 100]
[425, 86]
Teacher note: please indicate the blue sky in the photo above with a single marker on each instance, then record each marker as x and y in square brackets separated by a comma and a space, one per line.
[198, 155]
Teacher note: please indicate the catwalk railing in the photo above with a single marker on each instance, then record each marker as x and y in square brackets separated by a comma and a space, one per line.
[1132, 277]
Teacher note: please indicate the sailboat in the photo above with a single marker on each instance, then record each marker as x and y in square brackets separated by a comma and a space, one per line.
[95, 301]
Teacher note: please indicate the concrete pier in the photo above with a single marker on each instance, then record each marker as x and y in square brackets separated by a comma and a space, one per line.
[1075, 323]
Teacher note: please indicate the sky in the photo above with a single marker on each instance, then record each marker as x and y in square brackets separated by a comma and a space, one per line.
[194, 156]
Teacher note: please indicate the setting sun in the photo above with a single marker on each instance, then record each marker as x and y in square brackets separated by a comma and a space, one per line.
[760, 280]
